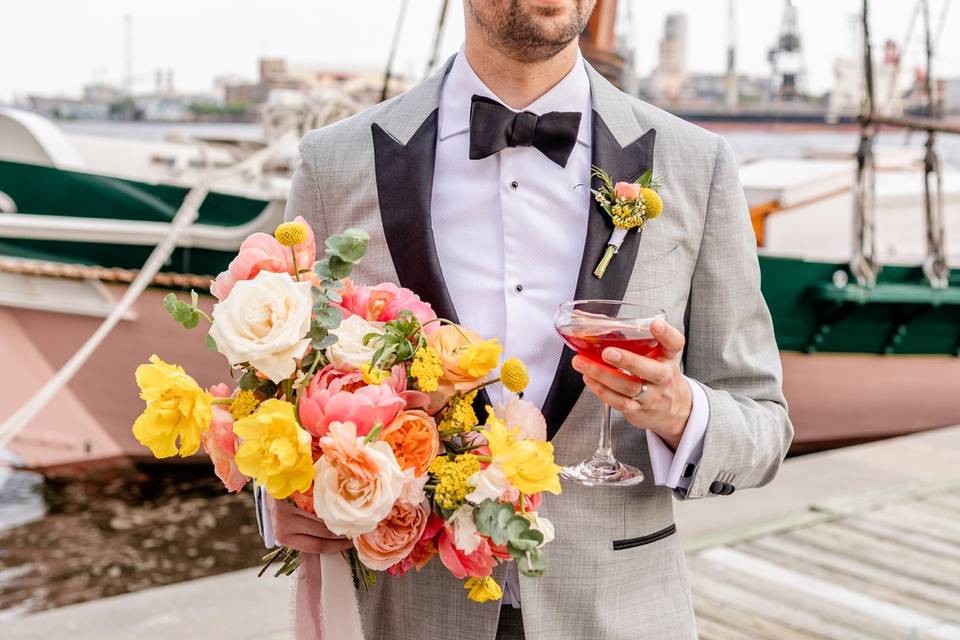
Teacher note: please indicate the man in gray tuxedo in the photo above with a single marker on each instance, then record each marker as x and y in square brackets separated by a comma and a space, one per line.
[472, 187]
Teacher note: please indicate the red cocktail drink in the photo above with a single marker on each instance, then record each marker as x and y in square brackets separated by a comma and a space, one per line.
[591, 346]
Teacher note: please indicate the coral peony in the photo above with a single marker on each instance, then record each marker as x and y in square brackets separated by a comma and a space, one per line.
[394, 538]
[366, 407]
[385, 302]
[523, 415]
[263, 252]
[414, 439]
[220, 443]
[478, 564]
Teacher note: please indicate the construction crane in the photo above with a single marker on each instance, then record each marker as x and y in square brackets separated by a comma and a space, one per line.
[786, 58]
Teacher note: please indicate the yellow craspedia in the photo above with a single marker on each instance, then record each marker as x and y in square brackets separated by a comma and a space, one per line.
[483, 589]
[244, 403]
[274, 449]
[652, 202]
[528, 464]
[513, 375]
[290, 233]
[177, 410]
[477, 359]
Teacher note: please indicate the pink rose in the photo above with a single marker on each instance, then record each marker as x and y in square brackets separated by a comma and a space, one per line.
[627, 190]
[384, 303]
[423, 551]
[366, 407]
[220, 443]
[394, 538]
[262, 252]
[477, 564]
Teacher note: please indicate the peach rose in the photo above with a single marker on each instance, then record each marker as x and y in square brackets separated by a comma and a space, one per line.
[394, 538]
[356, 483]
[414, 439]
[220, 443]
[423, 551]
[450, 341]
[627, 190]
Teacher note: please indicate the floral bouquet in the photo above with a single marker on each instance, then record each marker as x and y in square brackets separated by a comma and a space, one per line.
[357, 404]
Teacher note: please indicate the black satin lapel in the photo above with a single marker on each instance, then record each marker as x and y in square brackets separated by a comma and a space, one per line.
[622, 163]
[404, 188]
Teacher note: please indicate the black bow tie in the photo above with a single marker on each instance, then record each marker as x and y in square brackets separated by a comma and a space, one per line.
[494, 127]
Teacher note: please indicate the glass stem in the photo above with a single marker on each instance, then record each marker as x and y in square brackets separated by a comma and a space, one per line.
[605, 447]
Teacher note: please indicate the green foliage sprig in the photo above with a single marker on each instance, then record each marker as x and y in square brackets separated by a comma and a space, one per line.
[501, 523]
[343, 252]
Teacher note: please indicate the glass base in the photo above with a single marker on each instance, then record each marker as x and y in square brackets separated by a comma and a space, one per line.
[602, 473]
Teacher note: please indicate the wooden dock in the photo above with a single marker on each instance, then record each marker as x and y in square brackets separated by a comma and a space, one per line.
[879, 564]
[861, 543]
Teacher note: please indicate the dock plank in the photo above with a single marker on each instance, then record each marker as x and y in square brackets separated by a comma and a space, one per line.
[756, 627]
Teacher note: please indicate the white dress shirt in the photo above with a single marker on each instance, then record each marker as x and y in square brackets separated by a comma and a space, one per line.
[510, 230]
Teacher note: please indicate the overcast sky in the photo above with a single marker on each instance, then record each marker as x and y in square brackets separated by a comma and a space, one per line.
[55, 46]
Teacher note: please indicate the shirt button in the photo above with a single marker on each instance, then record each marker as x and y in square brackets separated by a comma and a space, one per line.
[515, 184]
[518, 288]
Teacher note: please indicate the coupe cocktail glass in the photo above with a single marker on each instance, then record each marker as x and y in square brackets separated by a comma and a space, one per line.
[588, 327]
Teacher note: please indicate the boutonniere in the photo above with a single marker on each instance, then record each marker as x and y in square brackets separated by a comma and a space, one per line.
[629, 205]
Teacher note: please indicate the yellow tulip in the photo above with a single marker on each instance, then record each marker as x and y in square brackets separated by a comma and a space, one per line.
[274, 449]
[483, 589]
[177, 410]
[528, 464]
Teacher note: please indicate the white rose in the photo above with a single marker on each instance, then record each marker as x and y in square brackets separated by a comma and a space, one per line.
[465, 535]
[351, 499]
[349, 352]
[264, 321]
[489, 483]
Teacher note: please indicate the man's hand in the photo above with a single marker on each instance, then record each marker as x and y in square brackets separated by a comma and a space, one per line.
[299, 530]
[665, 406]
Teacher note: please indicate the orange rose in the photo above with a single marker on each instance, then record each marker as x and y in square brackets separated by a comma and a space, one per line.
[452, 342]
[394, 538]
[414, 439]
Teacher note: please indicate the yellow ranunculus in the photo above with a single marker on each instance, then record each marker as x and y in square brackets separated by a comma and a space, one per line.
[483, 589]
[478, 359]
[528, 464]
[177, 408]
[373, 375]
[274, 449]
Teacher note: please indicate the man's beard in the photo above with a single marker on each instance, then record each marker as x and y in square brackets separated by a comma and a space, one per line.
[520, 35]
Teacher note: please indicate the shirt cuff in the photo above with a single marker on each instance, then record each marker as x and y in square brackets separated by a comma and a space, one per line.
[669, 466]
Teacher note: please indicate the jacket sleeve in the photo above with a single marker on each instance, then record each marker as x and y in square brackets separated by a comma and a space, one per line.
[305, 197]
[731, 349]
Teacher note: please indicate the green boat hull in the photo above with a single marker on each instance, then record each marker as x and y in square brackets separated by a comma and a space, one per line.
[901, 315]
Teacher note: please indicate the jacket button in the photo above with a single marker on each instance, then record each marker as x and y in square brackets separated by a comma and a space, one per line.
[717, 487]
[727, 490]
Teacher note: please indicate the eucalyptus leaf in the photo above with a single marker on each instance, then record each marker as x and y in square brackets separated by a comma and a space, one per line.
[338, 268]
[348, 248]
[192, 320]
[170, 302]
[211, 343]
[532, 564]
[323, 342]
[328, 317]
[248, 381]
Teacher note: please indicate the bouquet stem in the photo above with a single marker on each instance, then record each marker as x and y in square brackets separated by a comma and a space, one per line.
[605, 260]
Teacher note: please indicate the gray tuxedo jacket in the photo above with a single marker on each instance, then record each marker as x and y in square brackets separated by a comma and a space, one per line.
[616, 569]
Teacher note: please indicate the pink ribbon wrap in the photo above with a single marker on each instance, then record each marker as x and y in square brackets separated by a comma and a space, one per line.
[326, 602]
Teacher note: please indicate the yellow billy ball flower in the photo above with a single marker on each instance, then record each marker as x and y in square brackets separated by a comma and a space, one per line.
[426, 369]
[373, 375]
[652, 201]
[177, 408]
[290, 233]
[244, 403]
[478, 359]
[528, 464]
[513, 375]
[483, 589]
[274, 449]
